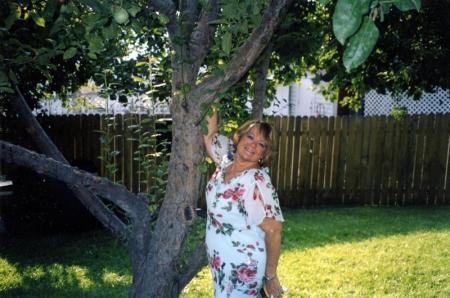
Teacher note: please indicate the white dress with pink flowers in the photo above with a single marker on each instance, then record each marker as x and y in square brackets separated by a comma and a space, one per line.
[235, 242]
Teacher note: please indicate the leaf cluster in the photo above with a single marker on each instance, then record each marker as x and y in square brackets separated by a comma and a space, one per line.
[410, 57]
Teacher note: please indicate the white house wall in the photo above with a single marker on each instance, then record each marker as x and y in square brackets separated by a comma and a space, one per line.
[305, 101]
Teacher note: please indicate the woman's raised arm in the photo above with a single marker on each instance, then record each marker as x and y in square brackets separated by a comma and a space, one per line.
[212, 130]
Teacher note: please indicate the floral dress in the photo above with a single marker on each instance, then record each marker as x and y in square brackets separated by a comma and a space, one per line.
[235, 243]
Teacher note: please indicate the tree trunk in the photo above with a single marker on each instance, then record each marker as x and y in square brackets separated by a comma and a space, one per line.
[161, 273]
[260, 81]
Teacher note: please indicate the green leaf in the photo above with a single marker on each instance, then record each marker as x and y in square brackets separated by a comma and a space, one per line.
[120, 15]
[218, 22]
[324, 2]
[226, 43]
[69, 53]
[133, 10]
[13, 77]
[137, 79]
[92, 55]
[163, 19]
[141, 63]
[347, 17]
[5, 89]
[38, 20]
[95, 43]
[405, 5]
[3, 78]
[22, 59]
[5, 85]
[10, 20]
[361, 45]
[110, 31]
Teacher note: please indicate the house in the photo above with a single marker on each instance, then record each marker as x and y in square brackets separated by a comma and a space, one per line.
[301, 99]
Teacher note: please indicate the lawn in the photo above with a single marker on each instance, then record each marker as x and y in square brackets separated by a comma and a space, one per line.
[339, 252]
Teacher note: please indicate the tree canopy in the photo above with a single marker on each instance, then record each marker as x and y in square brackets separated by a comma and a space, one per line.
[411, 56]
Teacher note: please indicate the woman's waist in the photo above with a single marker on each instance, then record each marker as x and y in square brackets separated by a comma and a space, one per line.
[229, 233]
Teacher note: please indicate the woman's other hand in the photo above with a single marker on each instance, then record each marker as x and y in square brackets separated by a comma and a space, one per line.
[273, 287]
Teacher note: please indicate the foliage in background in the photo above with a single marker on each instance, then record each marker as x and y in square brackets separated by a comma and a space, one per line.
[410, 57]
[56, 46]
[151, 155]
[148, 131]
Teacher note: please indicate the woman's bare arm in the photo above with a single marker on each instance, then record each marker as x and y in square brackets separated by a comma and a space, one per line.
[272, 228]
[212, 130]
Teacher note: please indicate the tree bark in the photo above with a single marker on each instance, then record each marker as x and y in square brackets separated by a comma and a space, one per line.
[260, 83]
[160, 277]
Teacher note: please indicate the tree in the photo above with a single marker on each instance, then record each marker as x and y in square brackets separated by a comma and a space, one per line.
[158, 271]
[213, 45]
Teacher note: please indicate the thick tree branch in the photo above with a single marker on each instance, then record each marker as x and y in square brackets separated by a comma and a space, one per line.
[33, 128]
[115, 193]
[260, 82]
[45, 145]
[189, 13]
[202, 36]
[244, 57]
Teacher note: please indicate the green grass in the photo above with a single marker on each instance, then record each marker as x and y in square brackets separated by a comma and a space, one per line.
[341, 252]
[91, 265]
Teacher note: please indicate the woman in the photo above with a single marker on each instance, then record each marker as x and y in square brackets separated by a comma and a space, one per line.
[243, 231]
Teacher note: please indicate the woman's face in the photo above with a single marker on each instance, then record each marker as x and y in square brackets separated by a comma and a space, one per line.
[251, 146]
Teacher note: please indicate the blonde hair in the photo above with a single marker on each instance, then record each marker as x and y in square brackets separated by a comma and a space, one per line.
[263, 128]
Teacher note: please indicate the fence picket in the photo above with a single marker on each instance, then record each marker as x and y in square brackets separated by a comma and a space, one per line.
[305, 158]
[328, 152]
[335, 160]
[445, 159]
[288, 158]
[296, 161]
[364, 193]
[342, 168]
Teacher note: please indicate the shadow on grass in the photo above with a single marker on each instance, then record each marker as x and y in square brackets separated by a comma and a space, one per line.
[308, 228]
[93, 265]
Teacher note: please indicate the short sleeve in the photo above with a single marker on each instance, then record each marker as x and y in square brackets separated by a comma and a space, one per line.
[221, 147]
[262, 201]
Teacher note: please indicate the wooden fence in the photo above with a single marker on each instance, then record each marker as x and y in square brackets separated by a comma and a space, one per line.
[317, 161]
[356, 160]
[85, 140]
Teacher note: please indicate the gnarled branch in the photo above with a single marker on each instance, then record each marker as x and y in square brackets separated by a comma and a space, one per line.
[45, 144]
[244, 57]
[189, 14]
[113, 192]
[202, 36]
